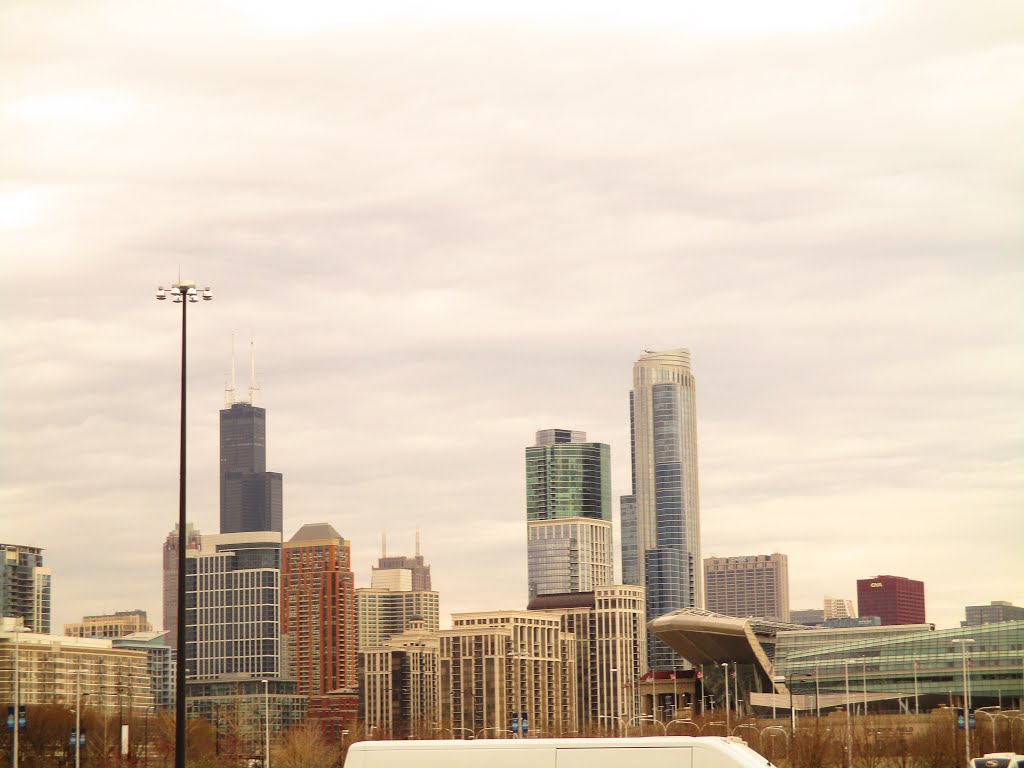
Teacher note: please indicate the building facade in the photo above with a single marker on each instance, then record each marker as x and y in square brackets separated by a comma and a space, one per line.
[838, 608]
[664, 508]
[53, 669]
[568, 513]
[318, 620]
[110, 625]
[384, 613]
[251, 499]
[241, 709]
[993, 613]
[610, 637]
[25, 586]
[398, 682]
[232, 614]
[193, 542]
[894, 599]
[748, 586]
[159, 662]
[809, 617]
[507, 672]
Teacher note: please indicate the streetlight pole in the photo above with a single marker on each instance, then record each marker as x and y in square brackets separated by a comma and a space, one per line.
[17, 694]
[725, 671]
[849, 722]
[963, 643]
[917, 708]
[266, 703]
[183, 292]
[145, 737]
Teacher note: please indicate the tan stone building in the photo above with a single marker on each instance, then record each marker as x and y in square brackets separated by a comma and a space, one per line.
[399, 685]
[610, 637]
[504, 669]
[110, 625]
[54, 670]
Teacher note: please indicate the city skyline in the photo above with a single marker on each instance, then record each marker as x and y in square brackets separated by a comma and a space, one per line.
[445, 230]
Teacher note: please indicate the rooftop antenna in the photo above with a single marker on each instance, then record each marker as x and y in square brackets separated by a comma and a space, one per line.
[383, 543]
[229, 392]
[417, 541]
[253, 386]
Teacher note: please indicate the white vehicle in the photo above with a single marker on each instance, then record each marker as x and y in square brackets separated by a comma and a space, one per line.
[999, 760]
[652, 752]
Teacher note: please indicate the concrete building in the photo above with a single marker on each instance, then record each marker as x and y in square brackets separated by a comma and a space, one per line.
[993, 613]
[241, 708]
[110, 625]
[398, 681]
[610, 637]
[112, 677]
[748, 585]
[234, 604]
[502, 671]
[661, 517]
[251, 499]
[390, 605]
[193, 542]
[838, 608]
[808, 617]
[25, 585]
[159, 662]
[318, 618]
[568, 513]
[894, 599]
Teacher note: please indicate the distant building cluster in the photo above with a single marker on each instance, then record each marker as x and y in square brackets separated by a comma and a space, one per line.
[277, 631]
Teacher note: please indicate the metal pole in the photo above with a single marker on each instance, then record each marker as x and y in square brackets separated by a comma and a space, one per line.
[736, 687]
[864, 671]
[179, 689]
[266, 700]
[17, 698]
[78, 719]
[963, 641]
[792, 711]
[917, 708]
[817, 692]
[145, 738]
[728, 729]
[849, 722]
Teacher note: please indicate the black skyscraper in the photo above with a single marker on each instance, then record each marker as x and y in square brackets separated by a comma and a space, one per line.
[251, 498]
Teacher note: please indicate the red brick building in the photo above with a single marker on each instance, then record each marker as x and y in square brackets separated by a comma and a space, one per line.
[894, 599]
[318, 617]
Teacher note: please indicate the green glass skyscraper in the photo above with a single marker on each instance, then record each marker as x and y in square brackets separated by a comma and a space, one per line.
[568, 513]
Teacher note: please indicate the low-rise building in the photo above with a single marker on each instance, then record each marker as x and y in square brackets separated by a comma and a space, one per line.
[110, 625]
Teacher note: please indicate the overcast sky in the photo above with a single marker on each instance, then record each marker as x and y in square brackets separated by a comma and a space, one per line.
[446, 226]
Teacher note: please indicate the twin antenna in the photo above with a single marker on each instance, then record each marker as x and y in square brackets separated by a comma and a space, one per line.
[229, 391]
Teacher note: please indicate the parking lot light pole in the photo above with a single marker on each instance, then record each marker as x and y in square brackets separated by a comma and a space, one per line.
[963, 642]
[182, 292]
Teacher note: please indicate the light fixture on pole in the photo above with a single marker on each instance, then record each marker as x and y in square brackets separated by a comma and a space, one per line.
[266, 704]
[17, 692]
[963, 642]
[725, 671]
[849, 722]
[182, 292]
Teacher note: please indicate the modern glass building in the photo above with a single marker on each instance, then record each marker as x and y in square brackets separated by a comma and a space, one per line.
[233, 606]
[664, 508]
[568, 513]
[251, 499]
[25, 586]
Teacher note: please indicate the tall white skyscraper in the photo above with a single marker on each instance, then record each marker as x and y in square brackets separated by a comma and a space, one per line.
[661, 518]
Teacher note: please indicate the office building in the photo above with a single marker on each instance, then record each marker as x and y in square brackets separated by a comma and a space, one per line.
[993, 613]
[568, 513]
[610, 636]
[115, 679]
[399, 696]
[243, 709]
[664, 507]
[748, 585]
[159, 662]
[894, 599]
[838, 608]
[232, 613]
[808, 617]
[25, 585]
[507, 671]
[318, 609]
[193, 541]
[110, 625]
[251, 499]
[390, 605]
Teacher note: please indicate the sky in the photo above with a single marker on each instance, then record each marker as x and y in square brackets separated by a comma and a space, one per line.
[443, 226]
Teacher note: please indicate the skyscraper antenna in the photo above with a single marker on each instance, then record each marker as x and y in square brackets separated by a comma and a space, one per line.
[417, 541]
[253, 386]
[383, 543]
[229, 392]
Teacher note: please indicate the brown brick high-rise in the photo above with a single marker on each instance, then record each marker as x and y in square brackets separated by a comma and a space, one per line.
[895, 599]
[318, 624]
